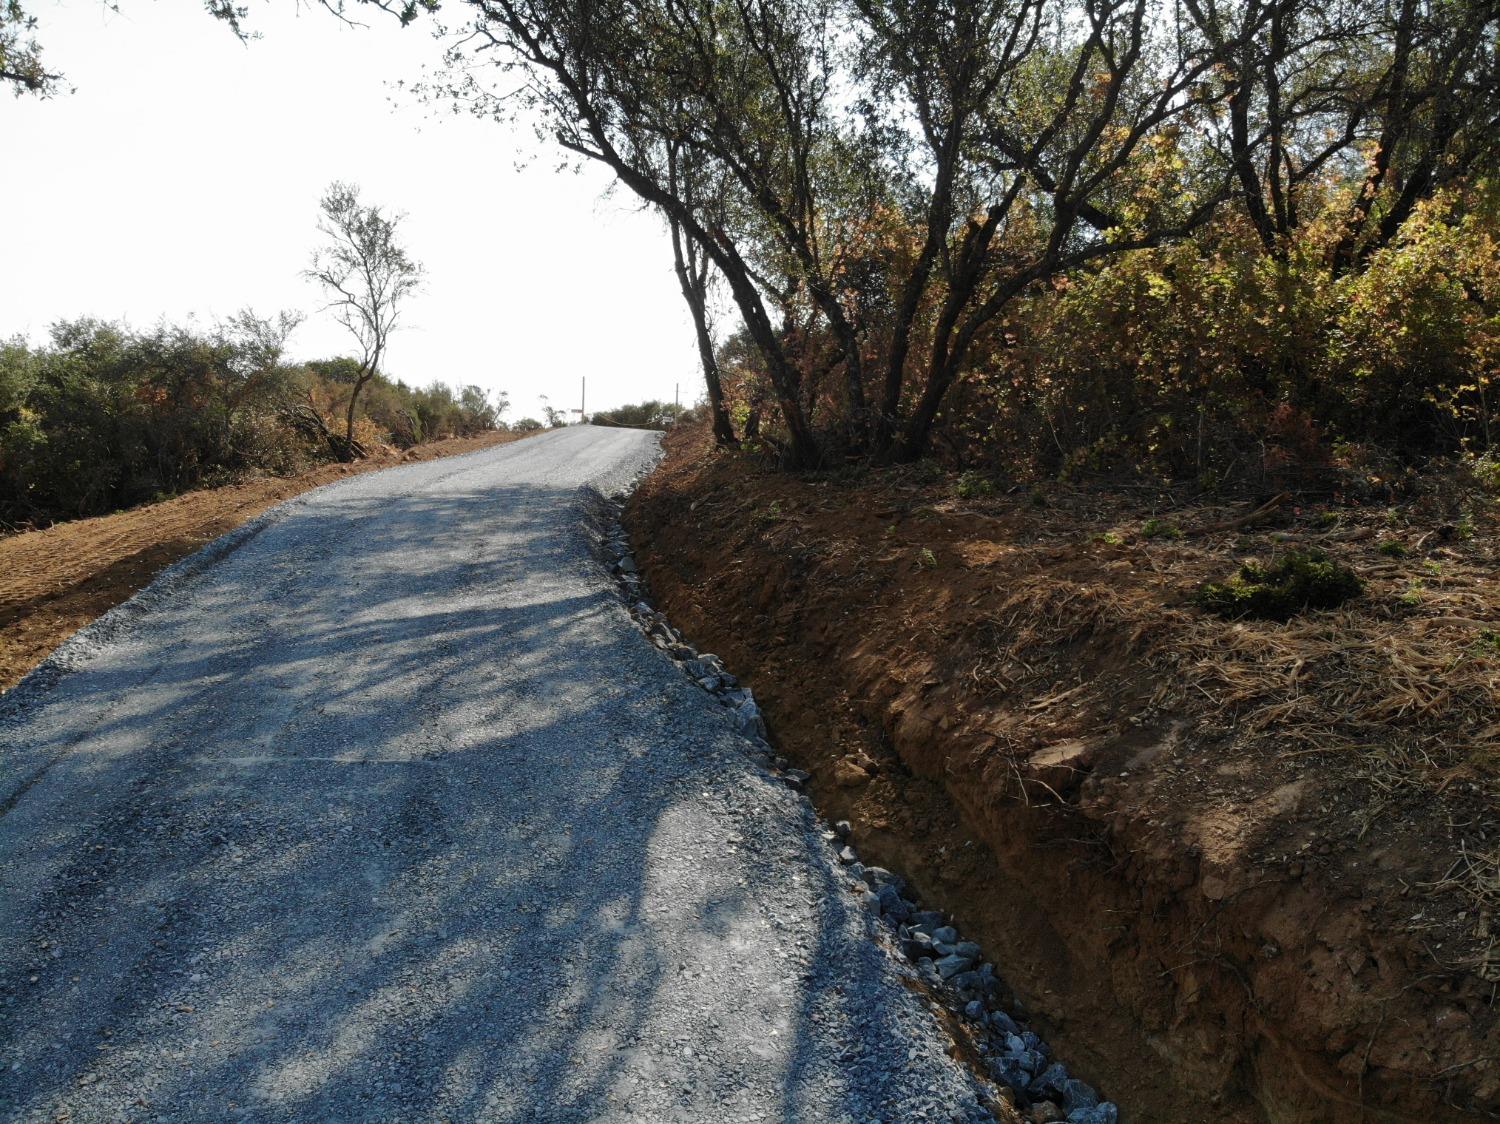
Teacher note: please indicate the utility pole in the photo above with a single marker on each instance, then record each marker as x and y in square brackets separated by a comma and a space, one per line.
[583, 386]
[677, 394]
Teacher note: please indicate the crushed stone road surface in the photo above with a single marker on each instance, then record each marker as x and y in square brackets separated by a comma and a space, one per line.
[381, 809]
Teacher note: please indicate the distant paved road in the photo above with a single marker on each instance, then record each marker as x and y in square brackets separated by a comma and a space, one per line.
[382, 810]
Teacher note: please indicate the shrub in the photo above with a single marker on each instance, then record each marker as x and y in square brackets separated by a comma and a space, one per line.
[1299, 580]
[1210, 359]
[1160, 529]
[971, 485]
[642, 415]
[105, 417]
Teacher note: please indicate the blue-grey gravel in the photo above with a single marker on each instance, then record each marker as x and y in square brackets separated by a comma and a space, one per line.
[381, 808]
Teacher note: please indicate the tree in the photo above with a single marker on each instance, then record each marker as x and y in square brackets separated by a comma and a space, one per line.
[21, 65]
[369, 276]
[1397, 100]
[894, 174]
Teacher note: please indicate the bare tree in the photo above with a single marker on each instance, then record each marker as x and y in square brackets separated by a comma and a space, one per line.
[368, 276]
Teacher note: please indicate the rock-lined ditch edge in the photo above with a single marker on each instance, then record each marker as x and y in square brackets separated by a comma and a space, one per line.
[1012, 1057]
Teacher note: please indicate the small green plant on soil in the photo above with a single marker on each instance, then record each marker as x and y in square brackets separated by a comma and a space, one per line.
[1328, 519]
[1413, 595]
[971, 485]
[1298, 580]
[1463, 530]
[1392, 548]
[1488, 643]
[1108, 538]
[771, 513]
[927, 560]
[1160, 529]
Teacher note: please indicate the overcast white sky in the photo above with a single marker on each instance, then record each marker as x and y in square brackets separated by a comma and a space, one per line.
[183, 174]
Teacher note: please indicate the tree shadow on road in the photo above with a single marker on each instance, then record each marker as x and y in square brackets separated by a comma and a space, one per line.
[408, 822]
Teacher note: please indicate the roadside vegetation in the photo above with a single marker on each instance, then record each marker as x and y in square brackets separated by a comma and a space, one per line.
[105, 417]
[1219, 242]
[1231, 243]
[644, 415]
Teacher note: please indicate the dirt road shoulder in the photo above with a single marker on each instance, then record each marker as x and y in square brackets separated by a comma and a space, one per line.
[55, 581]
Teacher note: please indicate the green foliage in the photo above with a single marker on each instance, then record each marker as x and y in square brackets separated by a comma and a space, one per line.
[1392, 548]
[1160, 529]
[641, 415]
[21, 66]
[972, 485]
[770, 514]
[1212, 357]
[1487, 472]
[104, 417]
[342, 370]
[1299, 580]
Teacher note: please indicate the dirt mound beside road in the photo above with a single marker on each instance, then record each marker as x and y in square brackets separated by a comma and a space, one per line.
[55, 581]
[1236, 870]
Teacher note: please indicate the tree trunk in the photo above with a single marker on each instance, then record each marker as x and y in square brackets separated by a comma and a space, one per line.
[694, 283]
[349, 443]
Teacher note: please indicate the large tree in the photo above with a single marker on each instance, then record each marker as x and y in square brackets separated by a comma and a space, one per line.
[896, 173]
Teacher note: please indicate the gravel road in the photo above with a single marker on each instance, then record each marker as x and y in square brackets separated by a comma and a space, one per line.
[381, 808]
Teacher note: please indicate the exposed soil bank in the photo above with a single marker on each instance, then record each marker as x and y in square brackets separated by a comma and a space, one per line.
[1235, 871]
[55, 581]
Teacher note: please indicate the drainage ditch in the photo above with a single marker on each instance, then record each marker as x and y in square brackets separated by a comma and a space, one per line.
[1010, 1057]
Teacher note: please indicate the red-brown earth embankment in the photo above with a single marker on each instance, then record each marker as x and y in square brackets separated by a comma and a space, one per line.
[1234, 870]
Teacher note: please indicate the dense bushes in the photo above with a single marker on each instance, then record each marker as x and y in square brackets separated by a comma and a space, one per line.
[1212, 237]
[642, 415]
[1209, 358]
[105, 417]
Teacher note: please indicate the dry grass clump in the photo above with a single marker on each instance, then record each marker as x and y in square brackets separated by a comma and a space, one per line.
[1046, 612]
[1412, 685]
[1346, 680]
[1475, 876]
[1024, 636]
